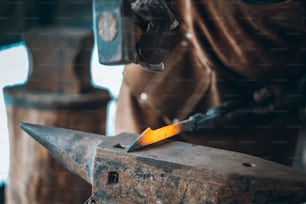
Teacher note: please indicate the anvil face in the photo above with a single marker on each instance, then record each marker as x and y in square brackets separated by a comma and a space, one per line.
[170, 172]
[177, 172]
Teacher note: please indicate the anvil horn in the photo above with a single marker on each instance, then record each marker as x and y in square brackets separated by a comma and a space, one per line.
[73, 149]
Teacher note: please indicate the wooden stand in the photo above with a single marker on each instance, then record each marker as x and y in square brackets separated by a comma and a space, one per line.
[58, 93]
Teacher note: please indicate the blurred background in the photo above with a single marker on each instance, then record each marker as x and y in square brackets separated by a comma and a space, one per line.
[14, 68]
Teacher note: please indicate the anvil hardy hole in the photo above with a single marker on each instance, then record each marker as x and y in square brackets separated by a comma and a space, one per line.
[119, 146]
[113, 178]
[247, 164]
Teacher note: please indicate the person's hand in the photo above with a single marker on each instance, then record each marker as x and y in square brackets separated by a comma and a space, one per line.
[155, 20]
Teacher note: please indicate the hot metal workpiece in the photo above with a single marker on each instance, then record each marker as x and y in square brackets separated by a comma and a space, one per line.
[172, 172]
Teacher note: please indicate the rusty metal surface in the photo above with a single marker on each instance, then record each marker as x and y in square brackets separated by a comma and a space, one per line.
[171, 172]
[63, 149]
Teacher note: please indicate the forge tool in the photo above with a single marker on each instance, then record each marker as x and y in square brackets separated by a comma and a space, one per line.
[122, 27]
[195, 123]
[176, 172]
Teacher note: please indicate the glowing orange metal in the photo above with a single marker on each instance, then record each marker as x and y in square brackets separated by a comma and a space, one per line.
[196, 122]
[150, 136]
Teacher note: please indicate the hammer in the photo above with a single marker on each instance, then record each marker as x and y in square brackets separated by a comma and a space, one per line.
[120, 27]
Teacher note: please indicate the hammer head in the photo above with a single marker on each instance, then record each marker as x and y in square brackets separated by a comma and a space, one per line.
[114, 29]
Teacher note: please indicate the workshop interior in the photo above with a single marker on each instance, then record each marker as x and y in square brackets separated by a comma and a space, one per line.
[152, 101]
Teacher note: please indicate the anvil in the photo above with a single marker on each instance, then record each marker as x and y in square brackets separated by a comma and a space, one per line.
[169, 172]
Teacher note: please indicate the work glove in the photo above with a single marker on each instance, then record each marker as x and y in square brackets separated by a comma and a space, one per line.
[275, 100]
[155, 20]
